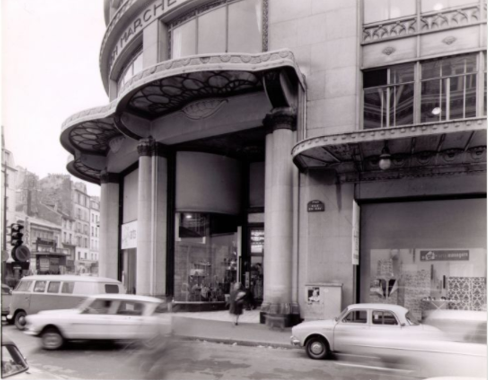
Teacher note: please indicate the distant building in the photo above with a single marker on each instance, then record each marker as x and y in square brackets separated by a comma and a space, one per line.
[81, 207]
[9, 172]
[94, 230]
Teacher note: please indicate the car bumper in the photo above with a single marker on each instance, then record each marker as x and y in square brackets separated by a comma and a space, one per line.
[294, 341]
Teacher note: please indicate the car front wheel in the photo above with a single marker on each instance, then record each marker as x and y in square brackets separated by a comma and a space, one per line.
[317, 348]
[19, 319]
[52, 339]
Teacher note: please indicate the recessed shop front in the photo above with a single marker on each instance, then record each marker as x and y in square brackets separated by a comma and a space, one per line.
[212, 233]
[424, 255]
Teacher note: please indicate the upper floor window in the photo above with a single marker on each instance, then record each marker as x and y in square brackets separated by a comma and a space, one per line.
[233, 27]
[383, 10]
[388, 96]
[134, 67]
[439, 5]
[449, 89]
[443, 89]
[380, 10]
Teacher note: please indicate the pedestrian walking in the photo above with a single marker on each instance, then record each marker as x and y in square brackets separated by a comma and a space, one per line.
[236, 300]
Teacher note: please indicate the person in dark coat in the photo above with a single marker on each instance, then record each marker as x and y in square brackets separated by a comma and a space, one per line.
[236, 300]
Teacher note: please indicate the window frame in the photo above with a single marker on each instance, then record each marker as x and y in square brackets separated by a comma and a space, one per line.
[196, 14]
[480, 73]
[383, 311]
[344, 321]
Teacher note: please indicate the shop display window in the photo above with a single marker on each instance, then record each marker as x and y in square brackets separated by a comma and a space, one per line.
[423, 280]
[205, 256]
[424, 255]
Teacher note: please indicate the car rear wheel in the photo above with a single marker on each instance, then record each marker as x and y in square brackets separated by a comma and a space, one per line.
[317, 348]
[19, 319]
[52, 339]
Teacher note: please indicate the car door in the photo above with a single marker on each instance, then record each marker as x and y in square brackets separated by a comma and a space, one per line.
[129, 319]
[6, 298]
[94, 322]
[385, 326]
[351, 331]
[38, 297]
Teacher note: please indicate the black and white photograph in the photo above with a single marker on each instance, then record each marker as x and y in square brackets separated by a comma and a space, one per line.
[243, 189]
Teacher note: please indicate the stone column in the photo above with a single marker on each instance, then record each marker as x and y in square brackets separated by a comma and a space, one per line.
[109, 225]
[151, 219]
[278, 228]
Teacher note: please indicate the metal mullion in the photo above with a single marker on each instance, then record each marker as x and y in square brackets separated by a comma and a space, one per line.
[448, 98]
[196, 32]
[227, 28]
[388, 81]
[464, 90]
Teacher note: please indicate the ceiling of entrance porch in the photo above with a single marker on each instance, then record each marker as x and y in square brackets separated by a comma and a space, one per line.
[166, 87]
[441, 146]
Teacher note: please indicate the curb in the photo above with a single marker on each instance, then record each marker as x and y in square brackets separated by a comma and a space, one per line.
[239, 342]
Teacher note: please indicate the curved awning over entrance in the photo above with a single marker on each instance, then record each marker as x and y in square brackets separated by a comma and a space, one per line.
[165, 88]
[417, 150]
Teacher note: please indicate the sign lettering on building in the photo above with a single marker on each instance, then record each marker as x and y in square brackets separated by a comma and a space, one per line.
[129, 235]
[315, 206]
[444, 255]
[151, 13]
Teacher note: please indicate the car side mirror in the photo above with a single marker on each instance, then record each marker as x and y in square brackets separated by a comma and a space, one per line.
[402, 325]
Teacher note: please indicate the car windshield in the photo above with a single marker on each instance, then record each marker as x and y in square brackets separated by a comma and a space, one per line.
[343, 312]
[411, 319]
[12, 361]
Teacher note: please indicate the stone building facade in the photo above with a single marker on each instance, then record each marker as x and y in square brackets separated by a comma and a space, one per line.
[298, 147]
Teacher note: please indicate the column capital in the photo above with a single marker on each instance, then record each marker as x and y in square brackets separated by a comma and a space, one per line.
[280, 118]
[149, 147]
[106, 177]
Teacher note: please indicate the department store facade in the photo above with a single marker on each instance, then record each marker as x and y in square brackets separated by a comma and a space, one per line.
[322, 153]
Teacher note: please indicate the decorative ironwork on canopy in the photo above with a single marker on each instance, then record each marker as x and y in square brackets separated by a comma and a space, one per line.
[169, 94]
[167, 87]
[417, 150]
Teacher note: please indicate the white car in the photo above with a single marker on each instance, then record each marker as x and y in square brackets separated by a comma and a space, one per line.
[101, 317]
[357, 325]
[390, 334]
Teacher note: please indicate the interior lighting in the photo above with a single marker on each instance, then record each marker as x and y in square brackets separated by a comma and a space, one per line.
[385, 159]
[188, 216]
[436, 111]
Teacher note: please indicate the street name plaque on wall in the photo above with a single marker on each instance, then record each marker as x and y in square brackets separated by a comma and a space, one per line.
[315, 206]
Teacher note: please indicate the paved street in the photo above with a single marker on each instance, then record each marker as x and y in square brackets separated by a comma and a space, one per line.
[187, 360]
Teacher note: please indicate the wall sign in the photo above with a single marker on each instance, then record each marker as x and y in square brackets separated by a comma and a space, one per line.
[444, 255]
[129, 235]
[151, 13]
[315, 206]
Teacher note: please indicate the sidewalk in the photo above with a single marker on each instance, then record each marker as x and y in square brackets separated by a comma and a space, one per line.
[218, 326]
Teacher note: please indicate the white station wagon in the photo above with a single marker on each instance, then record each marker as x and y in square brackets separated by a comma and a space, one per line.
[101, 317]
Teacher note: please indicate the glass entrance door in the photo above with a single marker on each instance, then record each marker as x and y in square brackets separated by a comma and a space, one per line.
[256, 255]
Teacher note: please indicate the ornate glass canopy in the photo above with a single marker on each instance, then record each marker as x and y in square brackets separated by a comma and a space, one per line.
[168, 87]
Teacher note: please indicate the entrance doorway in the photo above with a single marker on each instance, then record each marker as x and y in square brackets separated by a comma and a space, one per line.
[254, 277]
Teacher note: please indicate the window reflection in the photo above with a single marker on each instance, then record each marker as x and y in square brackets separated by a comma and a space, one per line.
[234, 27]
[205, 256]
[380, 10]
[135, 66]
[389, 100]
[449, 89]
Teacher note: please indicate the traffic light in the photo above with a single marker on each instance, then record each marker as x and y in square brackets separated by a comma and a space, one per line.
[16, 234]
